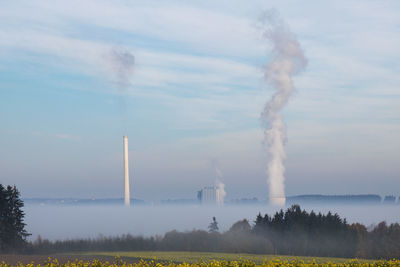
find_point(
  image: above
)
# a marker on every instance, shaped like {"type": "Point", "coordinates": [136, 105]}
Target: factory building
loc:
{"type": "Point", "coordinates": [210, 195]}
{"type": "Point", "coordinates": [389, 200]}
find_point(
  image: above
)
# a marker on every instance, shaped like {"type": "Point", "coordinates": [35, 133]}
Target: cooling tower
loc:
{"type": "Point", "coordinates": [126, 172]}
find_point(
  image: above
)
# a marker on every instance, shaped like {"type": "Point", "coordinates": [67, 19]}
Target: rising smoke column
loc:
{"type": "Point", "coordinates": [219, 185]}
{"type": "Point", "coordinates": [287, 60]}
{"type": "Point", "coordinates": [220, 191]}
{"type": "Point", "coordinates": [122, 61]}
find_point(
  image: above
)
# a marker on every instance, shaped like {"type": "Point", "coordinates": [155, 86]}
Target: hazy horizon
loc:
{"type": "Point", "coordinates": [186, 83]}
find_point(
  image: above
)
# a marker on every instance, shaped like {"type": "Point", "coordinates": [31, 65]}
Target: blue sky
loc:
{"type": "Point", "coordinates": [195, 95]}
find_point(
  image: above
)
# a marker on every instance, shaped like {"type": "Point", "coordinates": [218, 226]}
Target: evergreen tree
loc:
{"type": "Point", "coordinates": [213, 227]}
{"type": "Point", "coordinates": [12, 227]}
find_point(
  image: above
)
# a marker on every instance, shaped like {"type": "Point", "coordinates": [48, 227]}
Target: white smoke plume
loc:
{"type": "Point", "coordinates": [220, 191]}
{"type": "Point", "coordinates": [219, 185]}
{"type": "Point", "coordinates": [287, 60]}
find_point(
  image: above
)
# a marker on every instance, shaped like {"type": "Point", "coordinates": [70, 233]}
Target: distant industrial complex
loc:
{"type": "Point", "coordinates": [208, 196]}
{"type": "Point", "coordinates": [215, 196]}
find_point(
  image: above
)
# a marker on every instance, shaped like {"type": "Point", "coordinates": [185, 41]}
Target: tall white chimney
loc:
{"type": "Point", "coordinates": [126, 172]}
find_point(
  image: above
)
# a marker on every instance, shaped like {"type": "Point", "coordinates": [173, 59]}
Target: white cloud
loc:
{"type": "Point", "coordinates": [63, 136]}
{"type": "Point", "coordinates": [202, 29]}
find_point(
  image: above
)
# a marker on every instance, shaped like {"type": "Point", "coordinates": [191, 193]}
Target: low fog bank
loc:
{"type": "Point", "coordinates": [58, 222]}
{"type": "Point", "coordinates": [368, 215]}
{"type": "Point", "coordinates": [65, 222]}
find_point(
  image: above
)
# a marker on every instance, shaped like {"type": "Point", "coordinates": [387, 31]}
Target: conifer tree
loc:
{"type": "Point", "coordinates": [12, 227]}
{"type": "Point", "coordinates": [213, 227]}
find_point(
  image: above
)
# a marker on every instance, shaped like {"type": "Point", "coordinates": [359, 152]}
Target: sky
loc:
{"type": "Point", "coordinates": [194, 97]}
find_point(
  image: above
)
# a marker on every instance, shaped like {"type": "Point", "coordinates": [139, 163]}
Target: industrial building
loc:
{"type": "Point", "coordinates": [210, 195]}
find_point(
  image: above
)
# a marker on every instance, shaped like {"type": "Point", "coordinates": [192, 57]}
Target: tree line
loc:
{"type": "Point", "coordinates": [297, 232]}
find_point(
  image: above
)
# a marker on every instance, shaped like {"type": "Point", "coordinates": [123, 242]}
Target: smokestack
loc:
{"type": "Point", "coordinates": [126, 172]}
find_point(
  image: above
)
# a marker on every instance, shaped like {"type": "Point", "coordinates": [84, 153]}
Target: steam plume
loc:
{"type": "Point", "coordinates": [220, 193]}
{"type": "Point", "coordinates": [288, 59]}
{"type": "Point", "coordinates": [219, 185]}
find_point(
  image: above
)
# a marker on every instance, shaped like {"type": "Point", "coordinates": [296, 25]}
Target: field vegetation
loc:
{"type": "Point", "coordinates": [196, 257]}
{"type": "Point", "coordinates": [243, 261]}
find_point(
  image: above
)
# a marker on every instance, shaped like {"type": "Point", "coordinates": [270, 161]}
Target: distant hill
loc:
{"type": "Point", "coordinates": [81, 201]}
{"type": "Point", "coordinates": [342, 199]}
{"type": "Point", "coordinates": [299, 199]}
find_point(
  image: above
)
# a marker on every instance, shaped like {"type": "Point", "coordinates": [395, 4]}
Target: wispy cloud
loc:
{"type": "Point", "coordinates": [67, 137]}
{"type": "Point", "coordinates": [62, 136]}
{"type": "Point", "coordinates": [198, 72]}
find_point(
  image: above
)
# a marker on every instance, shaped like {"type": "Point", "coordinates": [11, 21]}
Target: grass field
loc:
{"type": "Point", "coordinates": [193, 257]}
